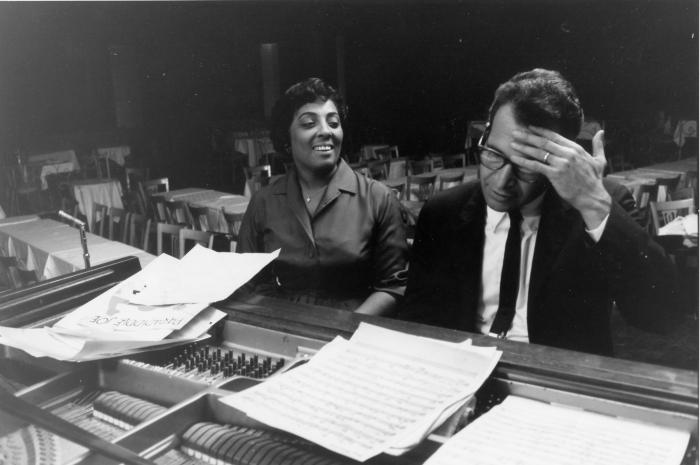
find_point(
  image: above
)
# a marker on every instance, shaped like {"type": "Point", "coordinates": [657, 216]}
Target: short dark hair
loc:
{"type": "Point", "coordinates": [543, 98]}
{"type": "Point", "coordinates": [298, 95]}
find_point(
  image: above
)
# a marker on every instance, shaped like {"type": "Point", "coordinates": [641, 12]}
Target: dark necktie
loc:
{"type": "Point", "coordinates": [509, 277]}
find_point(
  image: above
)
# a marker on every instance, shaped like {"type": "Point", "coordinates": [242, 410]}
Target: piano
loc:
{"type": "Point", "coordinates": [164, 406]}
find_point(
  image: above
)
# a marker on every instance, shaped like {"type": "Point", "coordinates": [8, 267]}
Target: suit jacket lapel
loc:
{"type": "Point", "coordinates": [559, 223]}
{"type": "Point", "coordinates": [469, 248]}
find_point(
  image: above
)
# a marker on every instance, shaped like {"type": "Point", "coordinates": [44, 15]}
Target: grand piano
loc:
{"type": "Point", "coordinates": [164, 406]}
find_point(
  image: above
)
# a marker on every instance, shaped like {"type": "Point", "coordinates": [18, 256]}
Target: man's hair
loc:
{"type": "Point", "coordinates": [543, 98]}
{"type": "Point", "coordinates": [307, 91]}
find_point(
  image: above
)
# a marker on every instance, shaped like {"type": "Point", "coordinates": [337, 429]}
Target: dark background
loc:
{"type": "Point", "coordinates": [415, 73]}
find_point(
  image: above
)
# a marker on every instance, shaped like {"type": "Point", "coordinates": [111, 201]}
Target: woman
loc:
{"type": "Point", "coordinates": [341, 236]}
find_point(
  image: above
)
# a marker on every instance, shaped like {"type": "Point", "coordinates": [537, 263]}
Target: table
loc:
{"type": "Point", "coordinates": [214, 200]}
{"type": "Point", "coordinates": [52, 248]}
{"type": "Point", "coordinates": [55, 162]}
{"type": "Point", "coordinates": [116, 154]}
{"type": "Point", "coordinates": [87, 192]}
{"type": "Point", "coordinates": [632, 179]}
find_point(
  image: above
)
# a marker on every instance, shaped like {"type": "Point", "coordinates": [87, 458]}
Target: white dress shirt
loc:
{"type": "Point", "coordinates": [496, 233]}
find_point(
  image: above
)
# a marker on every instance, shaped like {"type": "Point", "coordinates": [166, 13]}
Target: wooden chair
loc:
{"type": "Point", "coordinates": [437, 160]}
{"type": "Point", "coordinates": [683, 193]}
{"type": "Point", "coordinates": [200, 217]}
{"type": "Point", "coordinates": [424, 187]}
{"type": "Point", "coordinates": [360, 167]}
{"type": "Point", "coordinates": [663, 213]}
{"type": "Point", "coordinates": [420, 166]}
{"type": "Point", "coordinates": [133, 177]}
{"type": "Point", "coordinates": [146, 191]}
{"type": "Point", "coordinates": [387, 153]}
{"type": "Point", "coordinates": [233, 221]}
{"type": "Point", "coordinates": [665, 187]}
{"type": "Point", "coordinates": [139, 231]}
{"type": "Point", "coordinates": [102, 167]}
{"type": "Point", "coordinates": [168, 234]}
{"type": "Point", "coordinates": [179, 213]}
{"type": "Point", "coordinates": [451, 180]}
{"type": "Point", "coordinates": [378, 169]}
{"type": "Point", "coordinates": [398, 187]}
{"type": "Point", "coordinates": [186, 236]}
{"type": "Point", "coordinates": [257, 177]}
{"type": "Point", "coordinates": [398, 168]}
{"type": "Point", "coordinates": [458, 160]}
{"type": "Point", "coordinates": [158, 210]}
{"type": "Point", "coordinates": [100, 218]}
{"type": "Point", "coordinates": [117, 224]}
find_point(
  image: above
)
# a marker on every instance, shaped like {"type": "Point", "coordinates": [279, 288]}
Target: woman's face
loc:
{"type": "Point", "coordinates": [316, 136]}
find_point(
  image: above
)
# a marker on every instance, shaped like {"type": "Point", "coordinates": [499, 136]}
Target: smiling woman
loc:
{"type": "Point", "coordinates": [341, 236]}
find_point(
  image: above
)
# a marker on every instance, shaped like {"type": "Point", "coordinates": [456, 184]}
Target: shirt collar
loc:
{"type": "Point", "coordinates": [343, 181]}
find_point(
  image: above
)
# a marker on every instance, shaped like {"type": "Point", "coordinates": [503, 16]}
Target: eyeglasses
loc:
{"type": "Point", "coordinates": [495, 160]}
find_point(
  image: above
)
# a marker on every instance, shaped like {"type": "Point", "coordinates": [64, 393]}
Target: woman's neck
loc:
{"type": "Point", "coordinates": [314, 180]}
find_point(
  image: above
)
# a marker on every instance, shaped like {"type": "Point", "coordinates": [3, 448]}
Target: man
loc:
{"type": "Point", "coordinates": [553, 279]}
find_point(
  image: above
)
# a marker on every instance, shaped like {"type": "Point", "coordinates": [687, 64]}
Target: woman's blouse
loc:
{"type": "Point", "coordinates": [354, 243]}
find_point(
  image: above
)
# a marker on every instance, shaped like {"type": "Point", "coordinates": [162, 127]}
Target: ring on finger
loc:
{"type": "Point", "coordinates": [546, 156]}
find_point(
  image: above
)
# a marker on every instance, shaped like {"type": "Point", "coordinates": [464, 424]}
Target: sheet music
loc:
{"type": "Point", "coordinates": [201, 276]}
{"type": "Point", "coordinates": [527, 432]}
{"type": "Point", "coordinates": [381, 390]}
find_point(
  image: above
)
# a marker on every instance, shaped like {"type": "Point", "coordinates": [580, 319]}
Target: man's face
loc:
{"type": "Point", "coordinates": [502, 190]}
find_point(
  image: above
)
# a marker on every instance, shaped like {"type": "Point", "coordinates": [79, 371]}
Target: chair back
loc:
{"type": "Point", "coordinates": [457, 160]}
{"type": "Point", "coordinates": [420, 166]}
{"type": "Point", "coordinates": [398, 187]}
{"type": "Point", "coordinates": [189, 237]}
{"type": "Point", "coordinates": [200, 217]}
{"type": "Point", "coordinates": [117, 224]}
{"type": "Point", "coordinates": [257, 177]}
{"type": "Point", "coordinates": [663, 213]}
{"type": "Point", "coordinates": [420, 187]}
{"type": "Point", "coordinates": [138, 231]}
{"type": "Point", "coordinates": [398, 168]}
{"type": "Point", "coordinates": [155, 186]}
{"type": "Point", "coordinates": [666, 186]}
{"type": "Point", "coordinates": [378, 169]}
{"type": "Point", "coordinates": [158, 210]}
{"type": "Point", "coordinates": [645, 193]}
{"type": "Point", "coordinates": [386, 153]}
{"type": "Point", "coordinates": [360, 167]}
{"type": "Point", "coordinates": [99, 219]}
{"type": "Point", "coordinates": [448, 181]}
{"type": "Point", "coordinates": [168, 234]}
{"type": "Point", "coordinates": [179, 213]}
{"type": "Point", "coordinates": [437, 160]}
{"type": "Point", "coordinates": [102, 167]}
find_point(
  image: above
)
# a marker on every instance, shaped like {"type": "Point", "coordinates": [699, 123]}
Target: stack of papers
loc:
{"type": "Point", "coordinates": [686, 226]}
{"type": "Point", "coordinates": [381, 391]}
{"type": "Point", "coordinates": [528, 432]}
{"type": "Point", "coordinates": [166, 303]}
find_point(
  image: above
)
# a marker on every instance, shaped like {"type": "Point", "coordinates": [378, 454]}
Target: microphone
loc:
{"type": "Point", "coordinates": [72, 219]}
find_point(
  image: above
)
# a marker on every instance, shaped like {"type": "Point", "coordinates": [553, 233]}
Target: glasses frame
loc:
{"type": "Point", "coordinates": [481, 146]}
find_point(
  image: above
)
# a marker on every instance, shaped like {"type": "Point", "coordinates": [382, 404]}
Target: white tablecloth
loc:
{"type": "Point", "coordinates": [90, 191]}
{"type": "Point", "coordinates": [214, 200]}
{"type": "Point", "coordinates": [64, 161]}
{"type": "Point", "coordinates": [116, 154]}
{"type": "Point", "coordinates": [52, 248]}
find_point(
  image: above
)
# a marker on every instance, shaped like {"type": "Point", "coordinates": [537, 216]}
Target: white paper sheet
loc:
{"type": "Point", "coordinates": [201, 276]}
{"type": "Point", "coordinates": [381, 390]}
{"type": "Point", "coordinates": [527, 432]}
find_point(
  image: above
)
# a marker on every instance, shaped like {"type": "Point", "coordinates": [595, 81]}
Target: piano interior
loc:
{"type": "Point", "coordinates": [165, 406]}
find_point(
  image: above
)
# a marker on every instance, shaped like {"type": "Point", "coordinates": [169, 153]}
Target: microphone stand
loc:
{"type": "Point", "coordinates": [83, 238]}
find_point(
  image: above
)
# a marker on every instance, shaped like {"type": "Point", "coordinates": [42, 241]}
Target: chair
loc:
{"type": "Point", "coordinates": [200, 217]}
{"type": "Point", "coordinates": [378, 169]}
{"type": "Point", "coordinates": [663, 213]}
{"type": "Point", "coordinates": [99, 219]}
{"type": "Point", "coordinates": [257, 177]}
{"type": "Point", "coordinates": [139, 231]}
{"type": "Point", "coordinates": [450, 180]}
{"type": "Point", "coordinates": [458, 160]}
{"type": "Point", "coordinates": [146, 191]}
{"type": "Point", "coordinates": [172, 231]}
{"type": "Point", "coordinates": [179, 213]}
{"type": "Point", "coordinates": [101, 165]}
{"type": "Point", "coordinates": [14, 276]}
{"type": "Point", "coordinates": [683, 193]}
{"type": "Point", "coordinates": [158, 210]}
{"type": "Point", "coordinates": [665, 187]}
{"type": "Point", "coordinates": [420, 166]}
{"type": "Point", "coordinates": [397, 168]}
{"type": "Point", "coordinates": [186, 235]}
{"type": "Point", "coordinates": [424, 187]}
{"type": "Point", "coordinates": [233, 221]}
{"type": "Point", "coordinates": [117, 224]}
{"type": "Point", "coordinates": [360, 167]}
{"type": "Point", "coordinates": [385, 153]}
{"type": "Point", "coordinates": [437, 160]}
{"type": "Point", "coordinates": [398, 187]}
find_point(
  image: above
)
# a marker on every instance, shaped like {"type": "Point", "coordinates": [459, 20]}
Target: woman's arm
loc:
{"type": "Point", "coordinates": [378, 303]}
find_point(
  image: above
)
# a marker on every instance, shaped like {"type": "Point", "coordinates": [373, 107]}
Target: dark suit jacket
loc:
{"type": "Point", "coordinates": [573, 280]}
